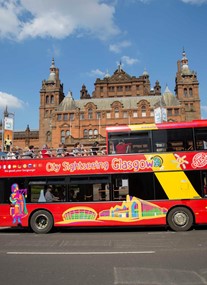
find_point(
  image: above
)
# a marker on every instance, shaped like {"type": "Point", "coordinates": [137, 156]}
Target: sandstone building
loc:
{"type": "Point", "coordinates": [117, 99]}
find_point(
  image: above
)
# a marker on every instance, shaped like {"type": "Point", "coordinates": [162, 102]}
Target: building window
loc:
{"type": "Point", "coordinates": [85, 133]}
{"type": "Point", "coordinates": [59, 117]}
{"type": "Point", "coordinates": [81, 116]}
{"type": "Point", "coordinates": [65, 117]}
{"type": "Point", "coordinates": [90, 114]}
{"type": "Point", "coordinates": [191, 92]}
{"type": "Point", "coordinates": [169, 112]}
{"type": "Point", "coordinates": [101, 89]}
{"type": "Point", "coordinates": [98, 115]}
{"type": "Point", "coordinates": [62, 135]}
{"type": "Point", "coordinates": [47, 100]}
{"type": "Point", "coordinates": [71, 116]}
{"type": "Point", "coordinates": [108, 115]}
{"type": "Point", "coordinates": [111, 88]}
{"type": "Point", "coordinates": [95, 132]}
{"type": "Point", "coordinates": [90, 133]}
{"type": "Point", "coordinates": [125, 114]}
{"type": "Point", "coordinates": [48, 136]}
{"type": "Point", "coordinates": [119, 88]}
{"type": "Point", "coordinates": [127, 88]}
{"type": "Point", "coordinates": [67, 133]}
{"type": "Point", "coordinates": [185, 92]}
{"type": "Point", "coordinates": [52, 99]}
{"type": "Point", "coordinates": [135, 115]}
{"type": "Point", "coordinates": [176, 112]}
{"type": "Point", "coordinates": [137, 87]}
{"type": "Point", "coordinates": [46, 113]}
{"type": "Point", "coordinates": [144, 113]}
{"type": "Point", "coordinates": [116, 113]}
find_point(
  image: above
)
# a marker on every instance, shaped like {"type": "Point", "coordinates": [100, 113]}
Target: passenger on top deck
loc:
{"type": "Point", "coordinates": [123, 147]}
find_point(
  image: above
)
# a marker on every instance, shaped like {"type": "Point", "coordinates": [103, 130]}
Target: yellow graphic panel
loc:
{"type": "Point", "coordinates": [176, 185]}
{"type": "Point", "coordinates": [143, 127]}
{"type": "Point", "coordinates": [167, 161]}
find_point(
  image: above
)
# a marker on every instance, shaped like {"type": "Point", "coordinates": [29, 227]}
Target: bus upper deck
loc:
{"type": "Point", "coordinates": [165, 137]}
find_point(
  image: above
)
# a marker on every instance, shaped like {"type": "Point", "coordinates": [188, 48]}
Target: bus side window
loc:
{"type": "Point", "coordinates": [41, 197]}
{"type": "Point", "coordinates": [188, 145]}
{"type": "Point", "coordinates": [170, 147]}
{"type": "Point", "coordinates": [103, 192]}
{"type": "Point", "coordinates": [111, 147]}
{"type": "Point", "coordinates": [201, 138]}
{"type": "Point", "coordinates": [204, 183]}
{"type": "Point", "coordinates": [205, 190]}
{"type": "Point", "coordinates": [120, 188]}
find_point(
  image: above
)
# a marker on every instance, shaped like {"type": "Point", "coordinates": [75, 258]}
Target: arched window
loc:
{"type": "Point", "coordinates": [95, 132]}
{"type": "Point", "coordinates": [116, 113]}
{"type": "Point", "coordinates": [52, 99]}
{"type": "Point", "coordinates": [190, 92]}
{"type": "Point", "coordinates": [90, 133]}
{"type": "Point", "coordinates": [85, 133]}
{"type": "Point", "coordinates": [90, 114]}
{"type": "Point", "coordinates": [144, 112]}
{"type": "Point", "coordinates": [62, 137]}
{"type": "Point", "coordinates": [48, 136]}
{"type": "Point", "coordinates": [67, 133]}
{"type": "Point", "coordinates": [46, 113]}
{"type": "Point", "coordinates": [47, 99]}
{"type": "Point", "coordinates": [185, 92]}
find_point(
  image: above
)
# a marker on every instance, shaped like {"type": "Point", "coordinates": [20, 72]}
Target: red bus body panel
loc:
{"type": "Point", "coordinates": [199, 207]}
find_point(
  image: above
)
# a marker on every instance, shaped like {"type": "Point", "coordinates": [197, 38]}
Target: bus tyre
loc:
{"type": "Point", "coordinates": [41, 222]}
{"type": "Point", "coordinates": [180, 219]}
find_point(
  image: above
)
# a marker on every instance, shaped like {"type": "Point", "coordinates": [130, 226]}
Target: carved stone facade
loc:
{"type": "Point", "coordinates": [119, 99]}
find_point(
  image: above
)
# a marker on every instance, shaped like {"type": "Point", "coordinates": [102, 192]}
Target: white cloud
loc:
{"type": "Point", "coordinates": [129, 61]}
{"type": "Point", "coordinates": [118, 47]}
{"type": "Point", "coordinates": [10, 100]}
{"type": "Point", "coordinates": [8, 19]}
{"type": "Point", "coordinates": [97, 72]}
{"type": "Point", "coordinates": [57, 19]}
{"type": "Point", "coordinates": [198, 2]}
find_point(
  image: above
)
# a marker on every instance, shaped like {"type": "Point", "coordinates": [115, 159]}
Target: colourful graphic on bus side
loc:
{"type": "Point", "coordinates": [18, 208]}
{"type": "Point", "coordinates": [79, 214]}
{"type": "Point", "coordinates": [131, 210]}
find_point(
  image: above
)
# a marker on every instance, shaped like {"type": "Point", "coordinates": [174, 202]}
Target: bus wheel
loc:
{"type": "Point", "coordinates": [41, 222]}
{"type": "Point", "coordinates": [180, 219]}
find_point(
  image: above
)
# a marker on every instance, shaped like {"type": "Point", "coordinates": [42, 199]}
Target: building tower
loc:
{"type": "Point", "coordinates": [187, 90]}
{"type": "Point", "coordinates": [51, 95]}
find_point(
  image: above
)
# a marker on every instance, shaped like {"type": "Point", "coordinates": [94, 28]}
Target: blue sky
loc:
{"type": "Point", "coordinates": [87, 38]}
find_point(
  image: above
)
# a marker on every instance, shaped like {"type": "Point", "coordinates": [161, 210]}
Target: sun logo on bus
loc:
{"type": "Point", "coordinates": [181, 161]}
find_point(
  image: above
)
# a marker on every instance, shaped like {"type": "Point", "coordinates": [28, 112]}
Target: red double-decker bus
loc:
{"type": "Point", "coordinates": [152, 174]}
